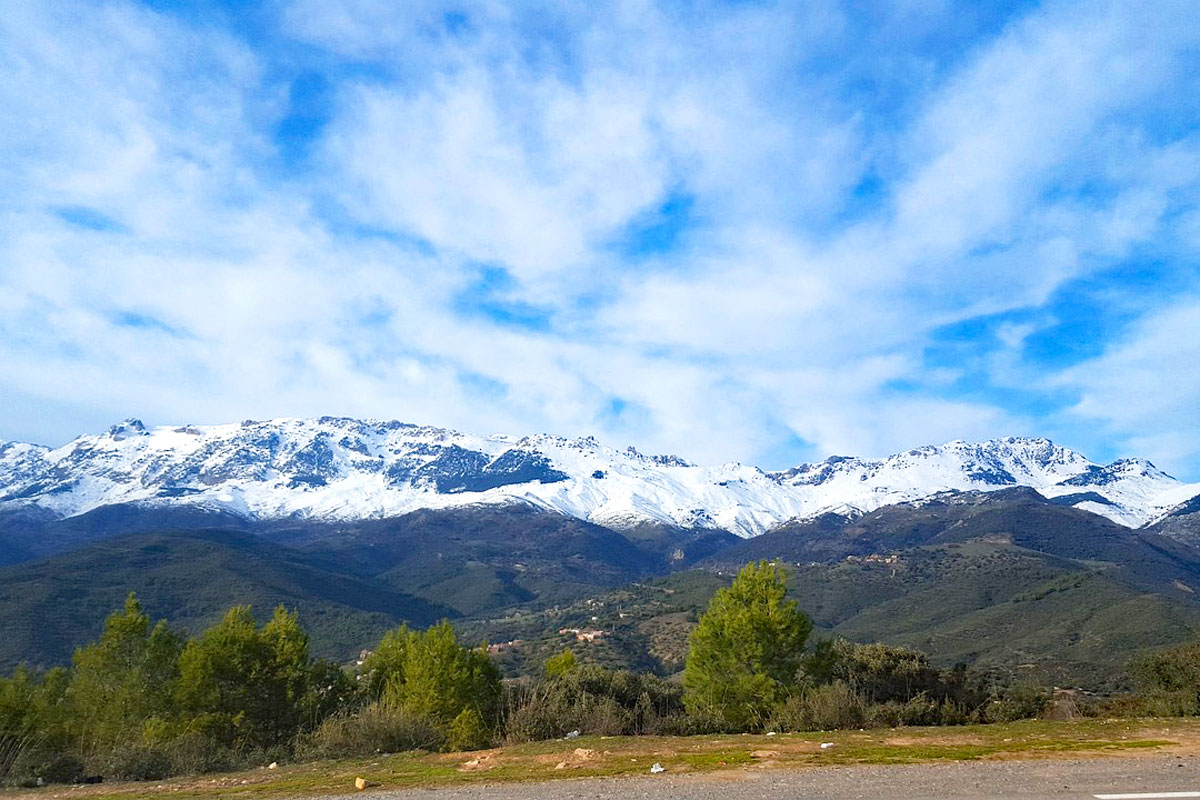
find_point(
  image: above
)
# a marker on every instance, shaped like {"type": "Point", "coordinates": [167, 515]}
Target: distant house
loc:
{"type": "Point", "coordinates": [874, 558]}
{"type": "Point", "coordinates": [582, 635]}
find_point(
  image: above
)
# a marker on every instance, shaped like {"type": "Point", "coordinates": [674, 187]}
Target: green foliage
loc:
{"type": "Point", "coordinates": [561, 664]}
{"type": "Point", "coordinates": [1022, 701]}
{"type": "Point", "coordinates": [830, 706]}
{"type": "Point", "coordinates": [377, 728]}
{"type": "Point", "coordinates": [31, 723]}
{"type": "Point", "coordinates": [596, 701]}
{"type": "Point", "coordinates": [441, 678]}
{"type": "Point", "coordinates": [1168, 681]}
{"type": "Point", "coordinates": [747, 650]}
{"type": "Point", "coordinates": [468, 731]}
{"type": "Point", "coordinates": [1174, 670]}
{"type": "Point", "coordinates": [139, 703]}
{"type": "Point", "coordinates": [122, 680]}
{"type": "Point", "coordinates": [385, 665]}
{"type": "Point", "coordinates": [246, 686]}
{"type": "Point", "coordinates": [878, 672]}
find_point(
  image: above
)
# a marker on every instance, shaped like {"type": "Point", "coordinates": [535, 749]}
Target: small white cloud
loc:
{"type": "Point", "coordinates": [1145, 389]}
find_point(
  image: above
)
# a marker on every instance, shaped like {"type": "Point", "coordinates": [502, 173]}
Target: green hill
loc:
{"type": "Point", "coordinates": [1005, 579]}
{"type": "Point", "coordinates": [49, 607]}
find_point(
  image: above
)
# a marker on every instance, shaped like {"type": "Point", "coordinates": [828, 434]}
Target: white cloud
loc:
{"type": "Point", "coordinates": [1145, 389]}
{"type": "Point", "coordinates": [532, 139]}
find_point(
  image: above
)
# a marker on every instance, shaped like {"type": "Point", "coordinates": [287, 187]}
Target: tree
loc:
{"type": "Point", "coordinates": [243, 685]}
{"type": "Point", "coordinates": [31, 715]}
{"type": "Point", "coordinates": [442, 678]}
{"type": "Point", "coordinates": [747, 650]}
{"type": "Point", "coordinates": [561, 664]}
{"type": "Point", "coordinates": [385, 665]}
{"type": "Point", "coordinates": [124, 679]}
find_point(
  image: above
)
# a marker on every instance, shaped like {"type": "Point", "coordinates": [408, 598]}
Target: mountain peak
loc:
{"type": "Point", "coordinates": [345, 468]}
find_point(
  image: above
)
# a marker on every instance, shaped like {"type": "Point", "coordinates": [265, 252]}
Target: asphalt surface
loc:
{"type": "Point", "coordinates": [970, 780]}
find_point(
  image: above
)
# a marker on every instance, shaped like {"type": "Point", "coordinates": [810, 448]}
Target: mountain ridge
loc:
{"type": "Point", "coordinates": [336, 468]}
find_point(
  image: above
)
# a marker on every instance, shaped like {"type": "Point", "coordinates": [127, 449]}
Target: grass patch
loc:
{"type": "Point", "coordinates": [597, 756]}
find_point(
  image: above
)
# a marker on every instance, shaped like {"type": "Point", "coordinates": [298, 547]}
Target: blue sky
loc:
{"type": "Point", "coordinates": [754, 231]}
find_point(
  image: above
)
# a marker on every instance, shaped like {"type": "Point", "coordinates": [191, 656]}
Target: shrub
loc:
{"type": "Point", "coordinates": [34, 765]}
{"type": "Point", "coordinates": [375, 729]}
{"type": "Point", "coordinates": [593, 700]}
{"type": "Point", "coordinates": [134, 763]}
{"type": "Point", "coordinates": [822, 708]}
{"type": "Point", "coordinates": [879, 673]}
{"type": "Point", "coordinates": [561, 664]}
{"type": "Point", "coordinates": [468, 731]}
{"type": "Point", "coordinates": [1175, 669]}
{"type": "Point", "coordinates": [1179, 703]}
{"type": "Point", "coordinates": [1022, 701]}
{"type": "Point", "coordinates": [540, 714]}
{"type": "Point", "coordinates": [1168, 681]}
{"type": "Point", "coordinates": [193, 754]}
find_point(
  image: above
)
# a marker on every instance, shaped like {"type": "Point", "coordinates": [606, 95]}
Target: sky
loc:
{"type": "Point", "coordinates": [752, 231]}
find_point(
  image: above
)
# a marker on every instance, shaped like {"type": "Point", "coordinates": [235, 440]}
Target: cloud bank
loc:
{"type": "Point", "coordinates": [747, 232]}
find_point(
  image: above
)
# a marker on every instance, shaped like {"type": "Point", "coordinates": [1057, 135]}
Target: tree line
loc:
{"type": "Point", "coordinates": [144, 701]}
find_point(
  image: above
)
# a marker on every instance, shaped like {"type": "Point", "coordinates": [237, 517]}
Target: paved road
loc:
{"type": "Point", "coordinates": [1023, 780]}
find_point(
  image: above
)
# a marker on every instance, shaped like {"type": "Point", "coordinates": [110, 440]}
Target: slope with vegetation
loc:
{"type": "Point", "coordinates": [144, 701]}
{"type": "Point", "coordinates": [1003, 579]}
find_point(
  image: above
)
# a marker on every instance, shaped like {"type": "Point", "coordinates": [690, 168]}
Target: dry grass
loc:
{"type": "Point", "coordinates": [629, 755]}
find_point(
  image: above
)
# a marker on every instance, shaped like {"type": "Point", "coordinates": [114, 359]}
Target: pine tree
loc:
{"type": "Point", "coordinates": [124, 679]}
{"type": "Point", "coordinates": [747, 650]}
{"type": "Point", "coordinates": [385, 666]}
{"type": "Point", "coordinates": [244, 685]}
{"type": "Point", "coordinates": [442, 678]}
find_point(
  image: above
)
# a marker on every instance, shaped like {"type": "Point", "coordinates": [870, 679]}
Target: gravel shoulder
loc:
{"type": "Point", "coordinates": [971, 780]}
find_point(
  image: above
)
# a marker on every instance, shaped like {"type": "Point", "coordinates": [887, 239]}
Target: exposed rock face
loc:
{"type": "Point", "coordinates": [347, 469]}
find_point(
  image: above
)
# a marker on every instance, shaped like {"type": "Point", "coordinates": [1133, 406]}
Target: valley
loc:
{"type": "Point", "coordinates": [1005, 579]}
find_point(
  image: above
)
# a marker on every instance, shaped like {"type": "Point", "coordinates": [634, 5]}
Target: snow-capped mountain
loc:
{"type": "Point", "coordinates": [344, 469]}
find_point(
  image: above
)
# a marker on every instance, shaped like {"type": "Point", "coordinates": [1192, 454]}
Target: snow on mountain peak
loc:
{"type": "Point", "coordinates": [341, 468]}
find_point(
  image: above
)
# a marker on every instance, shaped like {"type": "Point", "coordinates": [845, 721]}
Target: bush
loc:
{"type": "Point", "coordinates": [193, 754]}
{"type": "Point", "coordinates": [594, 700]}
{"type": "Point", "coordinates": [375, 729]}
{"type": "Point", "coordinates": [822, 708]}
{"type": "Point", "coordinates": [34, 765]}
{"type": "Point", "coordinates": [561, 664]}
{"type": "Point", "coordinates": [1022, 701]}
{"type": "Point", "coordinates": [1179, 703]}
{"type": "Point", "coordinates": [468, 731]}
{"type": "Point", "coordinates": [134, 763]}
{"type": "Point", "coordinates": [1175, 669]}
{"type": "Point", "coordinates": [538, 714]}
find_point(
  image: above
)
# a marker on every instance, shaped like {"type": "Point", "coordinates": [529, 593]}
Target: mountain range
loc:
{"type": "Point", "coordinates": [346, 469]}
{"type": "Point", "coordinates": [1011, 552]}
